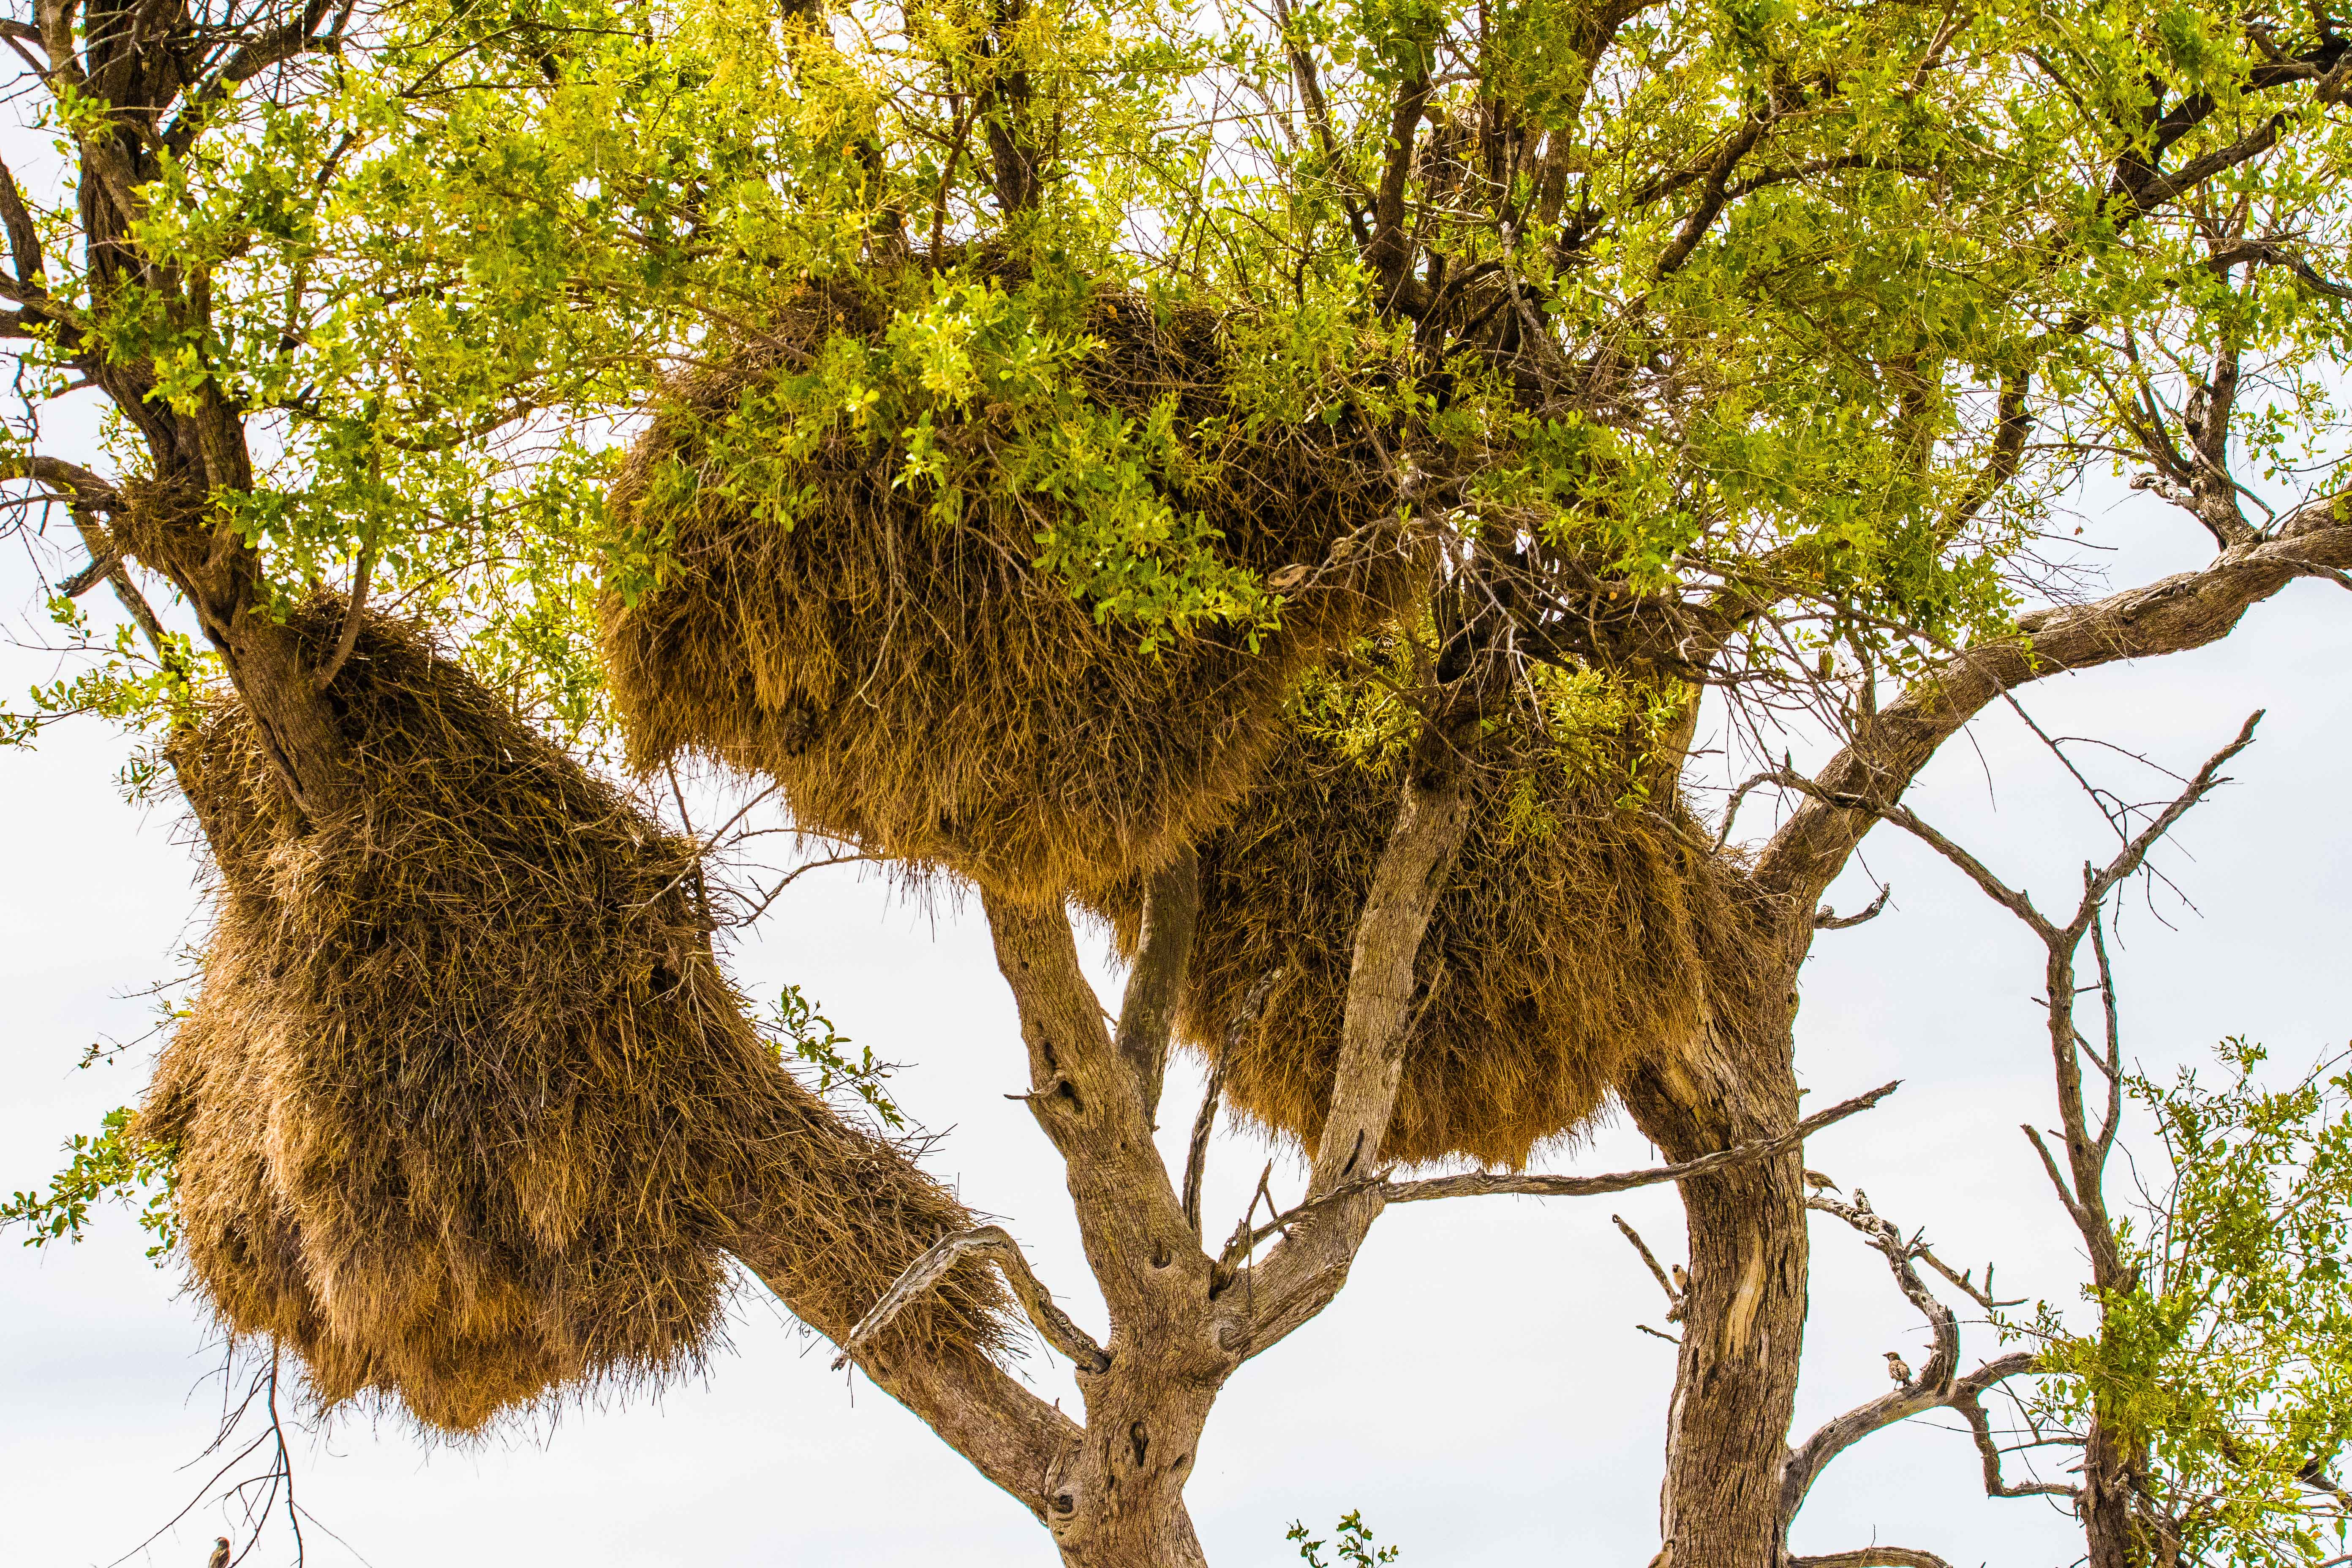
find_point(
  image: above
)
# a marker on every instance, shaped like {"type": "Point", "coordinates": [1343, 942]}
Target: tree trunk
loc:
{"type": "Point", "coordinates": [1118, 1501]}
{"type": "Point", "coordinates": [2106, 1503]}
{"type": "Point", "coordinates": [1744, 1319]}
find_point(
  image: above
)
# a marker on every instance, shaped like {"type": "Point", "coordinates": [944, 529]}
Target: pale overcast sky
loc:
{"type": "Point", "coordinates": [1480, 1390]}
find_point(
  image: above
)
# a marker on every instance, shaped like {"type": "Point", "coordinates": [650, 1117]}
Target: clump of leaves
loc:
{"type": "Point", "coordinates": [111, 1164]}
{"type": "Point", "coordinates": [1353, 1542]}
{"type": "Point", "coordinates": [2229, 1361]}
{"type": "Point", "coordinates": [803, 1033]}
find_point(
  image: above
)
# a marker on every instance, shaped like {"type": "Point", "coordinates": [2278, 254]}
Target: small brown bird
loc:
{"type": "Point", "coordinates": [1820, 1183]}
{"type": "Point", "coordinates": [1682, 1280]}
{"type": "Point", "coordinates": [1897, 1368]}
{"type": "Point", "coordinates": [220, 1552]}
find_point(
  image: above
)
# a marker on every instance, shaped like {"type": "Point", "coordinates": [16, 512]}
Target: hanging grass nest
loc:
{"type": "Point", "coordinates": [466, 1112]}
{"type": "Point", "coordinates": [1576, 932]}
{"type": "Point", "coordinates": [888, 647]}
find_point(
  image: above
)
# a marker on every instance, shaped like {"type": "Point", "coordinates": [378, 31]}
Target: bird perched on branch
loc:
{"type": "Point", "coordinates": [220, 1552]}
{"type": "Point", "coordinates": [1682, 1280]}
{"type": "Point", "coordinates": [1820, 1183]}
{"type": "Point", "coordinates": [1897, 1368]}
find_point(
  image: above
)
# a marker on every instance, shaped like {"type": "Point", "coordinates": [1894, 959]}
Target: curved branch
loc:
{"type": "Point", "coordinates": [1932, 1386]}
{"type": "Point", "coordinates": [993, 1244]}
{"type": "Point", "coordinates": [1967, 1398]}
{"type": "Point", "coordinates": [352, 619]}
{"type": "Point", "coordinates": [2185, 611]}
{"type": "Point", "coordinates": [1828, 918]}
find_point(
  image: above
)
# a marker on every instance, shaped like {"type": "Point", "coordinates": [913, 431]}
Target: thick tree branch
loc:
{"type": "Point", "coordinates": [1307, 1269]}
{"type": "Point", "coordinates": [1172, 906]}
{"type": "Point", "coordinates": [23, 238]}
{"type": "Point", "coordinates": [2178, 613]}
{"type": "Point", "coordinates": [1716, 194]}
{"type": "Point", "coordinates": [1090, 1104]}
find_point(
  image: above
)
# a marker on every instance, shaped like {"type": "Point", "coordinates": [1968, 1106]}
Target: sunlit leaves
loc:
{"type": "Point", "coordinates": [2231, 1355]}
{"type": "Point", "coordinates": [112, 1164]}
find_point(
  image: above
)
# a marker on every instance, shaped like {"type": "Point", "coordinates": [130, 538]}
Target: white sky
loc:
{"type": "Point", "coordinates": [1480, 1391]}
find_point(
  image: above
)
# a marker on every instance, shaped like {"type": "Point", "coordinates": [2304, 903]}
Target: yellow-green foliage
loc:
{"type": "Point", "coordinates": [863, 586]}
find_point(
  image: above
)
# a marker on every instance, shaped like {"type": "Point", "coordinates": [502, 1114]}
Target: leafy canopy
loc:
{"type": "Point", "coordinates": [1741, 307]}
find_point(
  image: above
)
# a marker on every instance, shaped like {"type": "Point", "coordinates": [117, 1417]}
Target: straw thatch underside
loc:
{"type": "Point", "coordinates": [1574, 934]}
{"type": "Point", "coordinates": [466, 1109]}
{"type": "Point", "coordinates": [922, 688]}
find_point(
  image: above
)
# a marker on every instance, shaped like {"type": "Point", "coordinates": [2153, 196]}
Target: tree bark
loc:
{"type": "Point", "coordinates": [1115, 1497]}
{"type": "Point", "coordinates": [1744, 1317]}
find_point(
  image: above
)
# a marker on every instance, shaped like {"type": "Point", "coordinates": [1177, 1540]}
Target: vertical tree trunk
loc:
{"type": "Point", "coordinates": [2109, 1530]}
{"type": "Point", "coordinates": [1744, 1319]}
{"type": "Point", "coordinates": [1118, 1501]}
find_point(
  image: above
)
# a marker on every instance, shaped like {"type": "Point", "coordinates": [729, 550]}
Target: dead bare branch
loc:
{"type": "Point", "coordinates": [1828, 918]}
{"type": "Point", "coordinates": [990, 1244]}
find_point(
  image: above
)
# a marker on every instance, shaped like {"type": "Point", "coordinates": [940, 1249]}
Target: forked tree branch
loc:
{"type": "Point", "coordinates": [1967, 1398]}
{"type": "Point", "coordinates": [1934, 1387]}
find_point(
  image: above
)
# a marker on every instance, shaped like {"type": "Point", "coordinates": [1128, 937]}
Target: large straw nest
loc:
{"type": "Point", "coordinates": [1577, 930]}
{"type": "Point", "coordinates": [922, 687]}
{"type": "Point", "coordinates": [466, 1112]}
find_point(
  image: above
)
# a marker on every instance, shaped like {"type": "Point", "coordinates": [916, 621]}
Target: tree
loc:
{"type": "Point", "coordinates": [1665, 354]}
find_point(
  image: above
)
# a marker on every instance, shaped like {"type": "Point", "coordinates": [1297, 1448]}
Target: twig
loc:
{"type": "Point", "coordinates": [990, 1244]}
{"type": "Point", "coordinates": [1982, 1297]}
{"type": "Point", "coordinates": [1674, 1298]}
{"type": "Point", "coordinates": [1481, 1185]}
{"type": "Point", "coordinates": [794, 875]}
